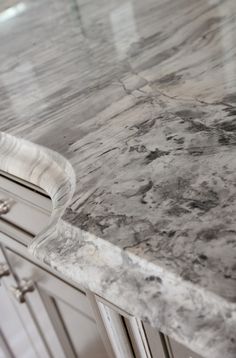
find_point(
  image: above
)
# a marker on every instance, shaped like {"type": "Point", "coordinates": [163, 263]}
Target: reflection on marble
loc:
{"type": "Point", "coordinates": [12, 11]}
{"type": "Point", "coordinates": [148, 124]}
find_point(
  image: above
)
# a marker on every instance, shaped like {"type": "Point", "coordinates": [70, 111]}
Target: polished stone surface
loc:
{"type": "Point", "coordinates": [140, 97]}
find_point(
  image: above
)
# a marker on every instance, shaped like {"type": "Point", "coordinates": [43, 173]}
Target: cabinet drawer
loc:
{"type": "Point", "coordinates": [28, 208]}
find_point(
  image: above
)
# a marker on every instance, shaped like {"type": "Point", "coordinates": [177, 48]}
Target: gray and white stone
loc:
{"type": "Point", "coordinates": [140, 98]}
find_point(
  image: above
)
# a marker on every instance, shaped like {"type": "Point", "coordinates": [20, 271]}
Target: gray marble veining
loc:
{"type": "Point", "coordinates": [140, 97]}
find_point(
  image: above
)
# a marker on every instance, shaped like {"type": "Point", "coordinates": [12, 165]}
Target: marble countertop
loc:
{"type": "Point", "coordinates": [140, 98]}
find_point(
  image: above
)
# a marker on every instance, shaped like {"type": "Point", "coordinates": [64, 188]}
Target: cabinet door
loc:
{"type": "Point", "coordinates": [116, 331]}
{"type": "Point", "coordinates": [164, 347]}
{"type": "Point", "coordinates": [129, 336]}
{"type": "Point", "coordinates": [5, 349]}
{"type": "Point", "coordinates": [19, 336]}
{"type": "Point", "coordinates": [177, 350]}
{"type": "Point", "coordinates": [156, 342]}
{"type": "Point", "coordinates": [62, 312]}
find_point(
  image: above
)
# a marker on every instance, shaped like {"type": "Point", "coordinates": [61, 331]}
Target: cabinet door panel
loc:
{"type": "Point", "coordinates": [137, 337]}
{"type": "Point", "coordinates": [45, 326]}
{"type": "Point", "coordinates": [128, 335]}
{"type": "Point", "coordinates": [17, 325]}
{"type": "Point", "coordinates": [14, 334]}
{"type": "Point", "coordinates": [179, 351]}
{"type": "Point", "coordinates": [63, 308]}
{"type": "Point", "coordinates": [5, 349]}
{"type": "Point", "coordinates": [82, 331]}
{"type": "Point", "coordinates": [116, 331]}
{"type": "Point", "coordinates": [156, 342]}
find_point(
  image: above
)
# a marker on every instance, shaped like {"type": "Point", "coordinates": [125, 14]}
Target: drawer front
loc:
{"type": "Point", "coordinates": [23, 209]}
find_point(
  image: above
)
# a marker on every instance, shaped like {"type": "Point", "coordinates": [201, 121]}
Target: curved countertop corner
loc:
{"type": "Point", "coordinates": [145, 114]}
{"type": "Point", "coordinates": [43, 168]}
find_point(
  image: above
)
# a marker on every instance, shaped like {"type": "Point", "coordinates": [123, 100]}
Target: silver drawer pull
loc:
{"type": "Point", "coordinates": [4, 206]}
{"type": "Point", "coordinates": [20, 291]}
{"type": "Point", "coordinates": [4, 270]}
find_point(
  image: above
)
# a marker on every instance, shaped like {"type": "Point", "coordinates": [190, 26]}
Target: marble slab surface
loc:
{"type": "Point", "coordinates": [140, 97]}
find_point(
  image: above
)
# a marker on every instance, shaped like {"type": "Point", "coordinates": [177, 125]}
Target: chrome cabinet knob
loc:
{"type": "Point", "coordinates": [20, 291]}
{"type": "Point", "coordinates": [4, 270]}
{"type": "Point", "coordinates": [4, 206]}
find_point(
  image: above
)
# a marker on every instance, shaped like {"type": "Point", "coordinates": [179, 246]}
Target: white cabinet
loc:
{"type": "Point", "coordinates": [62, 314]}
{"type": "Point", "coordinates": [164, 347]}
{"type": "Point", "coordinates": [177, 350]}
{"type": "Point", "coordinates": [125, 332]}
{"type": "Point", "coordinates": [19, 334]}
{"type": "Point", "coordinates": [156, 342]}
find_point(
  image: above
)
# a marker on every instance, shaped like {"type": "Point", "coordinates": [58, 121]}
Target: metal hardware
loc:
{"type": "Point", "coordinates": [4, 206]}
{"type": "Point", "coordinates": [4, 270]}
{"type": "Point", "coordinates": [20, 291]}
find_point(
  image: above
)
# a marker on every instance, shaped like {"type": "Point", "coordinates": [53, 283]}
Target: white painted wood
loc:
{"type": "Point", "coordinates": [178, 350]}
{"type": "Point", "coordinates": [116, 331]}
{"type": "Point", "coordinates": [44, 322]}
{"type": "Point", "coordinates": [12, 327]}
{"type": "Point", "coordinates": [17, 323]}
{"type": "Point", "coordinates": [82, 331]}
{"type": "Point", "coordinates": [58, 328]}
{"type": "Point", "coordinates": [156, 342]}
{"type": "Point", "coordinates": [5, 350]}
{"type": "Point", "coordinates": [137, 337]}
{"type": "Point", "coordinates": [30, 209]}
{"type": "Point", "coordinates": [101, 326]}
{"type": "Point", "coordinates": [67, 308]}
{"type": "Point", "coordinates": [146, 342]}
